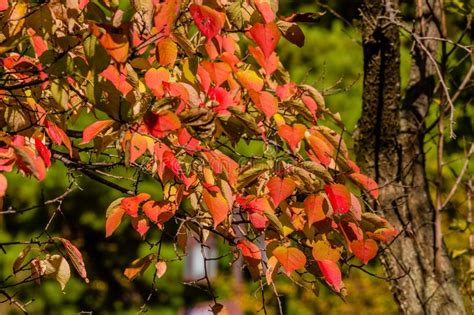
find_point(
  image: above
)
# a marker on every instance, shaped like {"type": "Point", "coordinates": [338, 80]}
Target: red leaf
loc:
{"type": "Point", "coordinates": [270, 64]}
{"type": "Point", "coordinates": [91, 131]}
{"type": "Point", "coordinates": [265, 9]}
{"type": "Point", "coordinates": [266, 36]}
{"type": "Point", "coordinates": [250, 252]}
{"type": "Point", "coordinates": [265, 102]}
{"type": "Point", "coordinates": [291, 258]}
{"type": "Point", "coordinates": [385, 235]}
{"type": "Point", "coordinates": [159, 212]}
{"type": "Point", "coordinates": [313, 206]}
{"type": "Point", "coordinates": [160, 124]}
{"type": "Point", "coordinates": [43, 151]}
{"type": "Point", "coordinates": [3, 185]}
{"type": "Point", "coordinates": [114, 40]}
{"type": "Point", "coordinates": [140, 225]}
{"type": "Point", "coordinates": [292, 134]}
{"type": "Point", "coordinates": [28, 162]}
{"type": "Point", "coordinates": [286, 91]}
{"type": "Point", "coordinates": [331, 272]}
{"type": "Point", "coordinates": [76, 259]}
{"type": "Point", "coordinates": [166, 14]}
{"type": "Point", "coordinates": [364, 250]}
{"type": "Point", "coordinates": [367, 183]}
{"type": "Point", "coordinates": [217, 205]}
{"type": "Point", "coordinates": [280, 189]}
{"type": "Point", "coordinates": [209, 21]}
{"type": "Point", "coordinates": [130, 204]}
{"type": "Point", "coordinates": [3, 5]}
{"type": "Point", "coordinates": [38, 43]}
{"type": "Point", "coordinates": [339, 197]}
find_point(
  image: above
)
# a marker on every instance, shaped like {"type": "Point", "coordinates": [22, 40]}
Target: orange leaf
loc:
{"type": "Point", "coordinates": [118, 79]}
{"type": "Point", "coordinates": [160, 124]}
{"type": "Point", "coordinates": [166, 14]}
{"type": "Point", "coordinates": [364, 250]}
{"type": "Point", "coordinates": [280, 189]}
{"type": "Point", "coordinates": [3, 185]}
{"type": "Point", "coordinates": [138, 146]}
{"type": "Point", "coordinates": [265, 102]}
{"type": "Point", "coordinates": [217, 205]}
{"type": "Point", "coordinates": [138, 266]}
{"type": "Point", "coordinates": [154, 79]}
{"type": "Point", "coordinates": [209, 21]}
{"type": "Point", "coordinates": [291, 258]}
{"type": "Point", "coordinates": [366, 183]}
{"type": "Point", "coordinates": [250, 80]}
{"type": "Point", "coordinates": [323, 250]}
{"type": "Point", "coordinates": [219, 72]}
{"type": "Point", "coordinates": [114, 218]}
{"type": "Point", "coordinates": [339, 197]}
{"type": "Point", "coordinates": [140, 225]}
{"type": "Point", "coordinates": [313, 206]}
{"type": "Point", "coordinates": [115, 41]}
{"type": "Point", "coordinates": [292, 134]}
{"type": "Point", "coordinates": [320, 148]}
{"type": "Point", "coordinates": [167, 52]}
{"type": "Point", "coordinates": [331, 272]}
{"type": "Point", "coordinates": [266, 36]}
{"type": "Point", "coordinates": [91, 131]}
{"type": "Point", "coordinates": [385, 235]}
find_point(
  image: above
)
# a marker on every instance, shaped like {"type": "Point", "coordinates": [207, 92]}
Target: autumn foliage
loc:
{"type": "Point", "coordinates": [177, 85]}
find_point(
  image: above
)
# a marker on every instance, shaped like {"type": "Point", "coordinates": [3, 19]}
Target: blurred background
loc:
{"type": "Point", "coordinates": [332, 61]}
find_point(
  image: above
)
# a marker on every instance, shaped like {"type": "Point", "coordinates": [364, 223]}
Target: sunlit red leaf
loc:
{"type": "Point", "coordinates": [313, 206]}
{"type": "Point", "coordinates": [286, 91]}
{"type": "Point", "coordinates": [364, 250]}
{"type": "Point", "coordinates": [269, 64]}
{"type": "Point", "coordinates": [91, 131]}
{"type": "Point", "coordinates": [38, 43]}
{"type": "Point", "coordinates": [217, 205]}
{"type": "Point", "coordinates": [266, 36]}
{"type": "Point", "coordinates": [250, 252]}
{"type": "Point", "coordinates": [291, 258]}
{"type": "Point", "coordinates": [130, 204]}
{"type": "Point", "coordinates": [140, 225]}
{"type": "Point", "coordinates": [3, 5]}
{"type": "Point", "coordinates": [280, 188]}
{"type": "Point", "coordinates": [160, 124]}
{"type": "Point", "coordinates": [339, 197]}
{"type": "Point", "coordinates": [292, 134]}
{"type": "Point", "coordinates": [331, 273]}
{"type": "Point", "coordinates": [209, 21]}
{"type": "Point", "coordinates": [265, 102]}
{"type": "Point", "coordinates": [320, 148]}
{"type": "Point", "coordinates": [159, 212]}
{"type": "Point", "coordinates": [43, 152]}
{"type": "Point", "coordinates": [28, 162]}
{"type": "Point", "coordinates": [265, 8]}
{"type": "Point", "coordinates": [366, 183]}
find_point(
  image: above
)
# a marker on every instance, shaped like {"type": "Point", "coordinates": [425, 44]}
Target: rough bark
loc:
{"type": "Point", "coordinates": [389, 143]}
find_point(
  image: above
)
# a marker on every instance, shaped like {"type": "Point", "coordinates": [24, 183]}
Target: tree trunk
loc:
{"type": "Point", "coordinates": [389, 144]}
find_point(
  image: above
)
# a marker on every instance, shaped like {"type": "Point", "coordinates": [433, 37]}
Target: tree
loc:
{"type": "Point", "coordinates": [393, 147]}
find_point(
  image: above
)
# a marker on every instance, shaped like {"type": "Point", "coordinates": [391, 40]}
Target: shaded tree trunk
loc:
{"type": "Point", "coordinates": [389, 143]}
